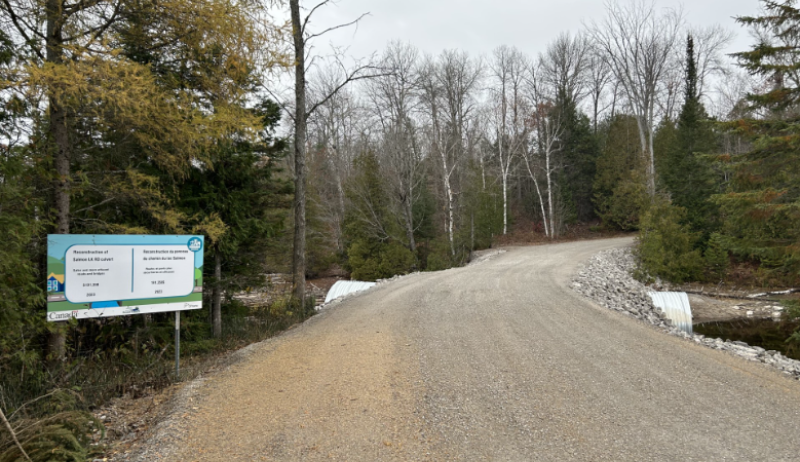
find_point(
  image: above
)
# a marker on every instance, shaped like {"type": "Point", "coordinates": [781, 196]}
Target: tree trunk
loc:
{"type": "Point", "coordinates": [299, 255]}
{"type": "Point", "coordinates": [541, 204]}
{"type": "Point", "coordinates": [450, 220]}
{"type": "Point", "coordinates": [409, 211]}
{"type": "Point", "coordinates": [216, 302]}
{"type": "Point", "coordinates": [59, 135]}
{"type": "Point", "coordinates": [503, 166]}
{"type": "Point", "coordinates": [538, 193]}
{"type": "Point", "coordinates": [651, 174]}
{"type": "Point", "coordinates": [550, 194]}
{"type": "Point", "coordinates": [647, 152]}
{"type": "Point", "coordinates": [652, 171]}
{"type": "Point", "coordinates": [340, 215]}
{"type": "Point", "coordinates": [505, 202]}
{"type": "Point", "coordinates": [471, 235]}
{"type": "Point", "coordinates": [448, 189]}
{"type": "Point", "coordinates": [483, 173]}
{"type": "Point", "coordinates": [450, 213]}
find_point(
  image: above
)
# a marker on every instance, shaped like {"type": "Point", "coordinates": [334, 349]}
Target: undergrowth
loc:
{"type": "Point", "coordinates": [48, 408]}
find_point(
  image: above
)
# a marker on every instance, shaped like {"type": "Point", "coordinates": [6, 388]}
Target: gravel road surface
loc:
{"type": "Point", "coordinates": [496, 361]}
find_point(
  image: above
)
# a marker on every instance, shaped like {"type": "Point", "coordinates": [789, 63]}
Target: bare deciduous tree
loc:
{"type": "Point", "coordinates": [335, 131]}
{"type": "Point", "coordinates": [547, 129]}
{"type": "Point", "coordinates": [508, 68]}
{"type": "Point", "coordinates": [394, 98]}
{"type": "Point", "coordinates": [709, 44]}
{"type": "Point", "coordinates": [730, 92]}
{"type": "Point", "coordinates": [565, 64]}
{"type": "Point", "coordinates": [638, 44]}
{"type": "Point", "coordinates": [300, 115]}
{"type": "Point", "coordinates": [598, 79]}
{"type": "Point", "coordinates": [448, 85]}
{"type": "Point", "coordinates": [301, 38]}
{"type": "Point", "coordinates": [669, 96]}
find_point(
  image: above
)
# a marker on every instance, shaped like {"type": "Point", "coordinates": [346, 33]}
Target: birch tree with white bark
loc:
{"type": "Point", "coordinates": [507, 78]}
{"type": "Point", "coordinates": [448, 85]}
{"type": "Point", "coordinates": [541, 156]}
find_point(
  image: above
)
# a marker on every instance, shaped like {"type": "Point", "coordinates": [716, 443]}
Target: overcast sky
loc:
{"type": "Point", "coordinates": [479, 26]}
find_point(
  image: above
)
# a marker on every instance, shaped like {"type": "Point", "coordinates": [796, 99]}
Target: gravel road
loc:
{"type": "Point", "coordinates": [496, 361]}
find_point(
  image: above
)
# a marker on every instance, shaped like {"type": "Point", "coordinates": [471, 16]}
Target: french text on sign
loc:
{"type": "Point", "coordinates": [126, 272]}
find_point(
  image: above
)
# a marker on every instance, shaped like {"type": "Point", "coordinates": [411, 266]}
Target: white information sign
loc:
{"type": "Point", "coordinates": [124, 272]}
{"type": "Point", "coordinates": [93, 276]}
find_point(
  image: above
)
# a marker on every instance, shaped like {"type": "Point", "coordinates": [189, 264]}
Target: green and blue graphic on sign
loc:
{"type": "Point", "coordinates": [98, 276]}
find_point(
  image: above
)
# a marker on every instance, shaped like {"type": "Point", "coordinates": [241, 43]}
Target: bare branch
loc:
{"type": "Point", "coordinates": [96, 32]}
{"type": "Point", "coordinates": [340, 26]}
{"type": "Point", "coordinates": [18, 25]}
{"type": "Point", "coordinates": [14, 435]}
{"type": "Point", "coordinates": [310, 13]}
{"type": "Point", "coordinates": [278, 101]}
{"type": "Point", "coordinates": [351, 77]}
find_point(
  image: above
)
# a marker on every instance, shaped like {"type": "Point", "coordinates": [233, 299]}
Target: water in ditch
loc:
{"type": "Point", "coordinates": [766, 333]}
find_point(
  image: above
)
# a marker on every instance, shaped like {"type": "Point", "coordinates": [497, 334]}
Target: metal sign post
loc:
{"type": "Point", "coordinates": [100, 276]}
{"type": "Point", "coordinates": [177, 344]}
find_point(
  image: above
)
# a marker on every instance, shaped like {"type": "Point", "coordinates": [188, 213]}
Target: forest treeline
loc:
{"type": "Point", "coordinates": [164, 117]}
{"type": "Point", "coordinates": [637, 122]}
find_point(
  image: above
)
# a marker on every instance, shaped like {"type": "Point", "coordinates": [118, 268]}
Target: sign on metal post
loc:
{"type": "Point", "coordinates": [177, 343]}
{"type": "Point", "coordinates": [99, 276]}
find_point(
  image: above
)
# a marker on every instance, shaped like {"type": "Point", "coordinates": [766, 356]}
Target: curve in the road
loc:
{"type": "Point", "coordinates": [496, 361]}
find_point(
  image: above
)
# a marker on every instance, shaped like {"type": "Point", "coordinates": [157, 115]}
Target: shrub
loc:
{"type": "Point", "coordinates": [395, 259]}
{"type": "Point", "coordinates": [440, 256]}
{"type": "Point", "coordinates": [62, 437]}
{"type": "Point", "coordinates": [371, 261]}
{"type": "Point", "coordinates": [716, 259]}
{"type": "Point", "coordinates": [624, 208]}
{"type": "Point", "coordinates": [49, 429]}
{"type": "Point", "coordinates": [666, 246]}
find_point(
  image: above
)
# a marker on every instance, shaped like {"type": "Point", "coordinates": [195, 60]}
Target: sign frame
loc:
{"type": "Point", "coordinates": [105, 280]}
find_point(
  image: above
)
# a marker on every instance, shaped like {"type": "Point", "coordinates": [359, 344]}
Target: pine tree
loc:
{"type": "Point", "coordinates": [762, 208]}
{"type": "Point", "coordinates": [232, 200]}
{"type": "Point", "coordinates": [580, 151]}
{"type": "Point", "coordinates": [687, 178]}
{"type": "Point", "coordinates": [373, 249]}
{"type": "Point", "coordinates": [619, 190]}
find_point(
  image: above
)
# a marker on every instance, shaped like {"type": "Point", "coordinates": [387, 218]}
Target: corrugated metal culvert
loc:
{"type": "Point", "coordinates": [342, 288]}
{"type": "Point", "coordinates": [675, 306]}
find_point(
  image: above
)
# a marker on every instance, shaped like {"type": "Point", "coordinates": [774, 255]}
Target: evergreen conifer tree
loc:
{"type": "Point", "coordinates": [685, 175]}
{"type": "Point", "coordinates": [619, 190]}
{"type": "Point", "coordinates": [580, 151]}
{"type": "Point", "coordinates": [762, 207]}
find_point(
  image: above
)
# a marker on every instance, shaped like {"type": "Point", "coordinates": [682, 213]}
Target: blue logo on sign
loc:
{"type": "Point", "coordinates": [195, 244]}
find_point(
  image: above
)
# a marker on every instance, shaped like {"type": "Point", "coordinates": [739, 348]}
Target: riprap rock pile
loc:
{"type": "Point", "coordinates": [607, 280]}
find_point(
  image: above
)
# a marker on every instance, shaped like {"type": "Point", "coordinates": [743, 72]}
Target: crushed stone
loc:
{"type": "Point", "coordinates": [606, 279]}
